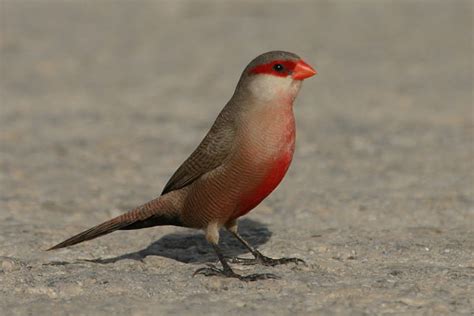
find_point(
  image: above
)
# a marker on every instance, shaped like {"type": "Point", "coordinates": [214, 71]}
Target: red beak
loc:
{"type": "Point", "coordinates": [303, 70]}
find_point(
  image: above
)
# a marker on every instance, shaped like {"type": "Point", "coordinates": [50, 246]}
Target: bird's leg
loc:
{"type": "Point", "coordinates": [212, 235]}
{"type": "Point", "coordinates": [227, 271]}
{"type": "Point", "coordinates": [259, 258]}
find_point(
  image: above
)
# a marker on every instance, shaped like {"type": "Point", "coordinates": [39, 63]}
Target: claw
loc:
{"type": "Point", "coordinates": [207, 271]}
{"type": "Point", "coordinates": [244, 261]}
{"type": "Point", "coordinates": [266, 261]}
{"type": "Point", "coordinates": [289, 260]}
{"type": "Point", "coordinates": [259, 276]}
{"type": "Point", "coordinates": [212, 270]}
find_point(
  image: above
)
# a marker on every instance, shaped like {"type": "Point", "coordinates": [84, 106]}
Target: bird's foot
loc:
{"type": "Point", "coordinates": [266, 261]}
{"type": "Point", "coordinates": [212, 270]}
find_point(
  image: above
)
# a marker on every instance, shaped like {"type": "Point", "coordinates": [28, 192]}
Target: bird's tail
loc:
{"type": "Point", "coordinates": [154, 213]}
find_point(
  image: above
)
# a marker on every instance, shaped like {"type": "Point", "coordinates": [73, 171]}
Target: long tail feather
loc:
{"type": "Point", "coordinates": [153, 213]}
{"type": "Point", "coordinates": [94, 232]}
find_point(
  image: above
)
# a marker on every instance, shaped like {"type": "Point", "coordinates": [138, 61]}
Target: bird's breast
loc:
{"type": "Point", "coordinates": [265, 154]}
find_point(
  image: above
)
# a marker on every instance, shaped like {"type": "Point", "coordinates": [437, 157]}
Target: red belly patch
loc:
{"type": "Point", "coordinates": [270, 181]}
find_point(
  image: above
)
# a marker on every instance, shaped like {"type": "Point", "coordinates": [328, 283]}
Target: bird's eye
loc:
{"type": "Point", "coordinates": [278, 67]}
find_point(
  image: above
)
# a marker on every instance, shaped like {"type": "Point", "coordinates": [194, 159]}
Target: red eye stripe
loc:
{"type": "Point", "coordinates": [288, 67]}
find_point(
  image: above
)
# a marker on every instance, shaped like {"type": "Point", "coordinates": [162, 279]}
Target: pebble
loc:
{"type": "Point", "coordinates": [10, 264]}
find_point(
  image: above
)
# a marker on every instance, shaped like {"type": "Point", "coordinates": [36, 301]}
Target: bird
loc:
{"type": "Point", "coordinates": [240, 161]}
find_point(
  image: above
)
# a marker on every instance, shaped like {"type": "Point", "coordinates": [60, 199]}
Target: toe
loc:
{"type": "Point", "coordinates": [261, 276]}
{"type": "Point", "coordinates": [208, 271]}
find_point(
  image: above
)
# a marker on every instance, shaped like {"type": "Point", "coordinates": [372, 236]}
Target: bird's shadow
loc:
{"type": "Point", "coordinates": [192, 247]}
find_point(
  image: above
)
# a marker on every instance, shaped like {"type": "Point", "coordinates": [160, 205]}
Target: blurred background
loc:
{"type": "Point", "coordinates": [102, 100]}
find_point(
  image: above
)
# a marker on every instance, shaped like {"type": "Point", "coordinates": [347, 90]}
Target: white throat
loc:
{"type": "Point", "coordinates": [268, 88]}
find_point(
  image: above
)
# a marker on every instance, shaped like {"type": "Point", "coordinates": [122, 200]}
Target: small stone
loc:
{"type": "Point", "coordinates": [9, 264]}
{"type": "Point", "coordinates": [412, 301]}
{"type": "Point", "coordinates": [214, 284]}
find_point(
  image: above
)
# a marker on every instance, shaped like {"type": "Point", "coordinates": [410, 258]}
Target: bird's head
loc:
{"type": "Point", "coordinates": [275, 76]}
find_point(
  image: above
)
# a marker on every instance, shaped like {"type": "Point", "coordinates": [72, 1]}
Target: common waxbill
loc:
{"type": "Point", "coordinates": [240, 161]}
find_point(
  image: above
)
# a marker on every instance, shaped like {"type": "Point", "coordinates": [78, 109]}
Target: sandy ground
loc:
{"type": "Point", "coordinates": [101, 101]}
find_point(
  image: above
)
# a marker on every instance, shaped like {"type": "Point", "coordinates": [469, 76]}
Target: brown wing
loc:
{"type": "Point", "coordinates": [210, 154]}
